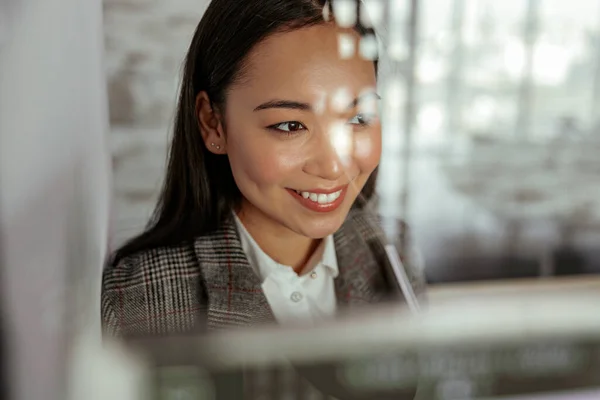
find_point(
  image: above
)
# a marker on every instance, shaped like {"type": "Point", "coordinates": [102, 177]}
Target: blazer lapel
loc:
{"type": "Point", "coordinates": [235, 296]}
{"type": "Point", "coordinates": [360, 281]}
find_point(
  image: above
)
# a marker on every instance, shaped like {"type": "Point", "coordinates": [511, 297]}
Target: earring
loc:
{"type": "Point", "coordinates": [216, 145]}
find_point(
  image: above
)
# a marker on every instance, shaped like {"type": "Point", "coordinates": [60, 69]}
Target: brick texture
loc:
{"type": "Point", "coordinates": [146, 41]}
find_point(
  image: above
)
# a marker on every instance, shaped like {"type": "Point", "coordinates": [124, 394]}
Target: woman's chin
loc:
{"type": "Point", "coordinates": [320, 229]}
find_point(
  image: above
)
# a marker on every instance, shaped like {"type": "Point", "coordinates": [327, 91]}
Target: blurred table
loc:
{"type": "Point", "coordinates": [543, 286]}
{"type": "Point", "coordinates": [484, 341]}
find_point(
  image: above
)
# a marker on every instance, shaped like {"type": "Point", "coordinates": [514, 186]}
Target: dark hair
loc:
{"type": "Point", "coordinates": [199, 191]}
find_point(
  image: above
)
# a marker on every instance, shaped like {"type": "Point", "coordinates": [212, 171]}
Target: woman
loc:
{"type": "Point", "coordinates": [262, 215]}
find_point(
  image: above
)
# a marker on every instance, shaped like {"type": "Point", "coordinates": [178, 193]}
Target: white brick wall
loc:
{"type": "Point", "coordinates": [146, 41]}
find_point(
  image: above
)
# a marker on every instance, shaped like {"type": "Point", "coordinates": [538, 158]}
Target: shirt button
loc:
{"type": "Point", "coordinates": [313, 275]}
{"type": "Point", "coordinates": [296, 297]}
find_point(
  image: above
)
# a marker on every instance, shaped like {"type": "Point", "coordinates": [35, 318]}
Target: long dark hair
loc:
{"type": "Point", "coordinates": [199, 191]}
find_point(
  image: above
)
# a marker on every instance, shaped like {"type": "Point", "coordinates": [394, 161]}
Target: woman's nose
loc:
{"type": "Point", "coordinates": [331, 152]}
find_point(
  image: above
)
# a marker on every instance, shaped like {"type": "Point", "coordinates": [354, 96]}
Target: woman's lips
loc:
{"type": "Point", "coordinates": [320, 200]}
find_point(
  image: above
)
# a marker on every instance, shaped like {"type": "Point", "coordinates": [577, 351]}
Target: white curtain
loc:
{"type": "Point", "coordinates": [54, 185]}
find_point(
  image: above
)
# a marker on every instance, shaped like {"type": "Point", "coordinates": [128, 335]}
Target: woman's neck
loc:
{"type": "Point", "coordinates": [278, 242]}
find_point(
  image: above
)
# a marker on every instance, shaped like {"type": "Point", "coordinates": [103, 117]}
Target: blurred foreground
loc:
{"type": "Point", "coordinates": [540, 339]}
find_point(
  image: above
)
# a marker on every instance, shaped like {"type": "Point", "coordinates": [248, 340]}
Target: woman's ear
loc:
{"type": "Point", "coordinates": [210, 124]}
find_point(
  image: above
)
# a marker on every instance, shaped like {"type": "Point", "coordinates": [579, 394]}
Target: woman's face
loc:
{"type": "Point", "coordinates": [302, 131]}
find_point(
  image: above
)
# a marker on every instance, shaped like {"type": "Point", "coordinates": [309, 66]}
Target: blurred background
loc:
{"type": "Point", "coordinates": [493, 162]}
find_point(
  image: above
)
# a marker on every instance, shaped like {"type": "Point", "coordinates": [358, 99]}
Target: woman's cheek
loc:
{"type": "Point", "coordinates": [271, 165]}
{"type": "Point", "coordinates": [368, 150]}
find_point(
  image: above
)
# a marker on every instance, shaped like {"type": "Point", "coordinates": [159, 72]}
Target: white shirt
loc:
{"type": "Point", "coordinates": [293, 298]}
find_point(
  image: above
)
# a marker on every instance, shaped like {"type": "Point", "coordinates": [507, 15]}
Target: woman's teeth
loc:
{"type": "Point", "coordinates": [320, 198]}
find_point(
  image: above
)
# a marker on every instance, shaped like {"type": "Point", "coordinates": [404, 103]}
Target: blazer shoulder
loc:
{"type": "Point", "coordinates": [147, 265]}
{"type": "Point", "coordinates": [374, 228]}
{"type": "Point", "coordinates": [154, 291]}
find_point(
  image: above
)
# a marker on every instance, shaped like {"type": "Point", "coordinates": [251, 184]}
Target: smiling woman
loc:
{"type": "Point", "coordinates": [263, 212]}
{"type": "Point", "coordinates": [278, 145]}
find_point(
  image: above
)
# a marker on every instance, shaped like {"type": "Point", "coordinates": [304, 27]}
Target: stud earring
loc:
{"type": "Point", "coordinates": [216, 145]}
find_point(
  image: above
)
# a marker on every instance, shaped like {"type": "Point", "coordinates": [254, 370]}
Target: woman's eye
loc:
{"type": "Point", "coordinates": [289, 126]}
{"type": "Point", "coordinates": [360, 119]}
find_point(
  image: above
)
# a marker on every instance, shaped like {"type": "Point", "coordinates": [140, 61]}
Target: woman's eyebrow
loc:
{"type": "Point", "coordinates": [297, 105]}
{"type": "Point", "coordinates": [364, 97]}
{"type": "Point", "coordinates": [290, 104]}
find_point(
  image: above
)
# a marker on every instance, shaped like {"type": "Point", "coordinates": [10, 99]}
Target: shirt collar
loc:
{"type": "Point", "coordinates": [265, 265]}
{"type": "Point", "coordinates": [329, 259]}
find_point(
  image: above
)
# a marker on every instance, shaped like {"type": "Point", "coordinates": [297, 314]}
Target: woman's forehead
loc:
{"type": "Point", "coordinates": [306, 61]}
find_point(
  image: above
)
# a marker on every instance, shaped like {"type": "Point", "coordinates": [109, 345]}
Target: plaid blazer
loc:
{"type": "Point", "coordinates": [209, 283]}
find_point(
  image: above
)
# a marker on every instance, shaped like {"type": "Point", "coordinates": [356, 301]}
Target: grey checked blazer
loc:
{"type": "Point", "coordinates": [209, 284]}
